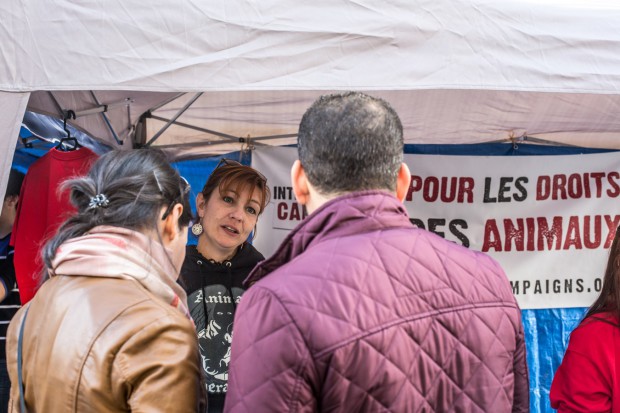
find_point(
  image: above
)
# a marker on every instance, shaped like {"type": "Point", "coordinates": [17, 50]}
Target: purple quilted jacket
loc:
{"type": "Point", "coordinates": [359, 311]}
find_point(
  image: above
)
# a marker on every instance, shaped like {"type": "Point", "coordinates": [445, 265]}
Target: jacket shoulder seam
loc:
{"type": "Point", "coordinates": [404, 320]}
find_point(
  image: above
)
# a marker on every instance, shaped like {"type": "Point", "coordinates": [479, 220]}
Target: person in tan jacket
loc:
{"type": "Point", "coordinates": [109, 331]}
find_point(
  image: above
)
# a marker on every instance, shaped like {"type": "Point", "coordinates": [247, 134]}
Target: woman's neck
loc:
{"type": "Point", "coordinates": [214, 254]}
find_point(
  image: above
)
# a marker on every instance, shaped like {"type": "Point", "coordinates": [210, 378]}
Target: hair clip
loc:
{"type": "Point", "coordinates": [161, 189]}
{"type": "Point", "coordinates": [99, 201]}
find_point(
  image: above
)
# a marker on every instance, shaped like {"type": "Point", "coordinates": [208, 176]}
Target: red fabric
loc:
{"type": "Point", "coordinates": [586, 380]}
{"type": "Point", "coordinates": [41, 210]}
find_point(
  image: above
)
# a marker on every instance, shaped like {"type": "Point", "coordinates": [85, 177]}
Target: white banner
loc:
{"type": "Point", "coordinates": [548, 220]}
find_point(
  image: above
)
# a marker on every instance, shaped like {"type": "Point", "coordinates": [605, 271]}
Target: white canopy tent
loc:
{"type": "Point", "coordinates": [208, 77]}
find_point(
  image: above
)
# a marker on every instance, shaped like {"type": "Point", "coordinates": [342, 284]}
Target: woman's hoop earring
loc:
{"type": "Point", "coordinates": [197, 229]}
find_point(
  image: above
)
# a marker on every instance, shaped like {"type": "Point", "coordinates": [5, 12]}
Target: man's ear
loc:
{"type": "Point", "coordinates": [170, 230]}
{"type": "Point", "coordinates": [402, 182]}
{"type": "Point", "coordinates": [300, 183]}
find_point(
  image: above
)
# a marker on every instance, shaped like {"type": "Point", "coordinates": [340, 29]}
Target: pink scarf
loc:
{"type": "Point", "coordinates": [115, 252]}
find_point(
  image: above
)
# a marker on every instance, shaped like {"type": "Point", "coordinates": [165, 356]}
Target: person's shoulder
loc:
{"type": "Point", "coordinates": [597, 331]}
{"type": "Point", "coordinates": [123, 296]}
{"type": "Point", "coordinates": [191, 252]}
{"type": "Point", "coordinates": [254, 253]}
{"type": "Point", "coordinates": [597, 324]}
{"type": "Point", "coordinates": [144, 311]}
{"type": "Point", "coordinates": [447, 250]}
{"type": "Point", "coordinates": [248, 255]}
{"type": "Point", "coordinates": [190, 263]}
{"type": "Point", "coordinates": [145, 300]}
{"type": "Point", "coordinates": [290, 281]}
{"type": "Point", "coordinates": [476, 275]}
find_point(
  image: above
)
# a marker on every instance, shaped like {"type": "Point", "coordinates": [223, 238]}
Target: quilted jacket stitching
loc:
{"type": "Point", "coordinates": [439, 372]}
{"type": "Point", "coordinates": [414, 317]}
{"type": "Point", "coordinates": [474, 268]}
{"type": "Point", "coordinates": [366, 393]}
{"type": "Point", "coordinates": [299, 368]}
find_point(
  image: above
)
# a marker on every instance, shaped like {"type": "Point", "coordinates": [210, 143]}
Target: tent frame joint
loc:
{"type": "Point", "coordinates": [246, 144]}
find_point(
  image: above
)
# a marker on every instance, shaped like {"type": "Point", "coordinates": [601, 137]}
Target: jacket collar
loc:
{"type": "Point", "coordinates": [353, 213]}
{"type": "Point", "coordinates": [114, 252]}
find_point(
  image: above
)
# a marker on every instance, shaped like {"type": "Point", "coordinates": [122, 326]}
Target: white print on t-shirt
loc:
{"type": "Point", "coordinates": [214, 335]}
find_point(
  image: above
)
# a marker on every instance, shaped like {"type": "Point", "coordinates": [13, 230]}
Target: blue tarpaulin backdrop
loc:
{"type": "Point", "coordinates": [546, 331]}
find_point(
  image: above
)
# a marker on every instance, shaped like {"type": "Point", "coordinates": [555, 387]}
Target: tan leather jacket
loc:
{"type": "Point", "coordinates": [103, 345]}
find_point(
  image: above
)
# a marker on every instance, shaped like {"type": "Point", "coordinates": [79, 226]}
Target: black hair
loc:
{"type": "Point", "coordinates": [350, 142]}
{"type": "Point", "coordinates": [609, 298]}
{"type": "Point", "coordinates": [136, 184]}
{"type": "Point", "coordinates": [14, 186]}
{"type": "Point", "coordinates": [239, 177]}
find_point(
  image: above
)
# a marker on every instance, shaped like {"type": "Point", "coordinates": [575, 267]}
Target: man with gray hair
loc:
{"type": "Point", "coordinates": [358, 310]}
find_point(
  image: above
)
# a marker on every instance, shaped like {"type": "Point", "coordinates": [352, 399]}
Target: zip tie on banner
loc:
{"type": "Point", "coordinates": [514, 139]}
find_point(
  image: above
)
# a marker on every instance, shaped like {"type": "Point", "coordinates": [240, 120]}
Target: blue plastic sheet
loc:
{"type": "Point", "coordinates": [546, 337]}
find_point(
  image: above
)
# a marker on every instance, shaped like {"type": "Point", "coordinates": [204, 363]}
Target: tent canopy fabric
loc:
{"type": "Point", "coordinates": [462, 71]}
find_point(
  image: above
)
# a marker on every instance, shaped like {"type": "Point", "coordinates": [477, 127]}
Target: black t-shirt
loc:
{"type": "Point", "coordinates": [216, 288]}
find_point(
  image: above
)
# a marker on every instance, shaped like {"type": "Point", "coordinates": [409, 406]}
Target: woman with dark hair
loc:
{"type": "Point", "coordinates": [109, 330]}
{"type": "Point", "coordinates": [214, 270]}
{"type": "Point", "coordinates": [587, 380]}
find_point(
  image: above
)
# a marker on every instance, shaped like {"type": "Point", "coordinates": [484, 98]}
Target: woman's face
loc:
{"type": "Point", "coordinates": [227, 218]}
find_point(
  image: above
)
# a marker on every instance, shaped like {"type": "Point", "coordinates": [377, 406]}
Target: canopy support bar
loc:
{"type": "Point", "coordinates": [100, 108]}
{"type": "Point", "coordinates": [199, 144]}
{"type": "Point", "coordinates": [266, 138]}
{"type": "Point", "coordinates": [220, 134]}
{"type": "Point", "coordinates": [105, 117]}
{"type": "Point", "coordinates": [174, 118]}
{"type": "Point", "coordinates": [92, 111]}
{"type": "Point", "coordinates": [187, 125]}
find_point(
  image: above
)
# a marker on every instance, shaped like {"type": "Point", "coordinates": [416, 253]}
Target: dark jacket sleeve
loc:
{"type": "Point", "coordinates": [159, 361]}
{"type": "Point", "coordinates": [270, 368]}
{"type": "Point", "coordinates": [7, 273]}
{"type": "Point", "coordinates": [522, 384]}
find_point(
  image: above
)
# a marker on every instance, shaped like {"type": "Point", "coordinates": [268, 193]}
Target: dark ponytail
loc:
{"type": "Point", "coordinates": [124, 189]}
